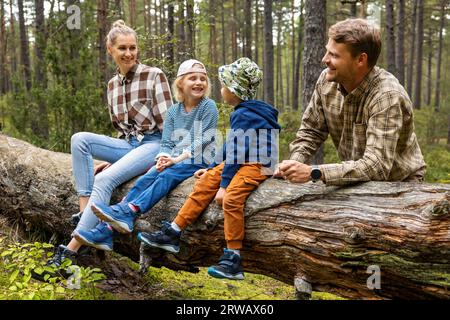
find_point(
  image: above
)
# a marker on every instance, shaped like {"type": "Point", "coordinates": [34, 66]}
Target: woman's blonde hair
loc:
{"type": "Point", "coordinates": [118, 27]}
{"type": "Point", "coordinates": [178, 91]}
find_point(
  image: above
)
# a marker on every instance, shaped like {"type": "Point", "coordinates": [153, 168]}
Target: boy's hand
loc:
{"type": "Point", "coordinates": [199, 173]}
{"type": "Point", "coordinates": [101, 167]}
{"type": "Point", "coordinates": [220, 195]}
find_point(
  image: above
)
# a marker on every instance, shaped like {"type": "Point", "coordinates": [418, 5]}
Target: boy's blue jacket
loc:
{"type": "Point", "coordinates": [254, 145]}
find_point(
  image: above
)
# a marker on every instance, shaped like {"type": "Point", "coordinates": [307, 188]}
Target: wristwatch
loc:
{"type": "Point", "coordinates": [316, 174]}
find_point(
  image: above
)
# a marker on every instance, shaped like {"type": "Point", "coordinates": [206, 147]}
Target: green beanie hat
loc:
{"type": "Point", "coordinates": [242, 78]}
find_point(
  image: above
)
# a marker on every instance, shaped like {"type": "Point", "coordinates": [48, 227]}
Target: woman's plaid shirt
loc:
{"type": "Point", "coordinates": [138, 101]}
{"type": "Point", "coordinates": [372, 129]}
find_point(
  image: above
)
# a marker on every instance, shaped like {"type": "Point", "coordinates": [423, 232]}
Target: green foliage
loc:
{"type": "Point", "coordinates": [17, 262]}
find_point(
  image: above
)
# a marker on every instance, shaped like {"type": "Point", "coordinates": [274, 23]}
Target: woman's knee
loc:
{"type": "Point", "coordinates": [79, 140]}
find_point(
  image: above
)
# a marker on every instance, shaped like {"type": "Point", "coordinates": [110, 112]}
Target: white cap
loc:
{"type": "Point", "coordinates": [188, 67]}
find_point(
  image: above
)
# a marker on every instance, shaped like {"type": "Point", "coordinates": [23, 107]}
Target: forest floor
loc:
{"type": "Point", "coordinates": [125, 282]}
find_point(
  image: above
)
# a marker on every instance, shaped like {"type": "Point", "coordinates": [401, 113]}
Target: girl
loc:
{"type": "Point", "coordinates": [186, 145]}
{"type": "Point", "coordinates": [138, 98]}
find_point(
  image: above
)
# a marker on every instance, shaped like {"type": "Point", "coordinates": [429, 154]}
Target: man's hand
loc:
{"type": "Point", "coordinates": [199, 173]}
{"type": "Point", "coordinates": [101, 167]}
{"type": "Point", "coordinates": [277, 174]}
{"type": "Point", "coordinates": [295, 171]}
{"type": "Point", "coordinates": [220, 195]}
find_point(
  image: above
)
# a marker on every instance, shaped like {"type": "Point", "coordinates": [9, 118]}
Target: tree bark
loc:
{"type": "Point", "coordinates": [248, 29]}
{"type": "Point", "coordinates": [170, 37]}
{"type": "Point", "coordinates": [298, 60]}
{"type": "Point", "coordinates": [40, 124]}
{"type": "Point", "coordinates": [3, 37]}
{"type": "Point", "coordinates": [400, 49]}
{"type": "Point", "coordinates": [390, 37]}
{"type": "Point", "coordinates": [24, 50]}
{"type": "Point", "coordinates": [268, 53]}
{"type": "Point", "coordinates": [411, 61]}
{"type": "Point", "coordinates": [190, 31]}
{"type": "Point", "coordinates": [102, 22]}
{"type": "Point", "coordinates": [437, 93]}
{"type": "Point", "coordinates": [328, 236]}
{"type": "Point", "coordinates": [314, 50]}
{"type": "Point", "coordinates": [132, 5]}
{"type": "Point", "coordinates": [418, 83]}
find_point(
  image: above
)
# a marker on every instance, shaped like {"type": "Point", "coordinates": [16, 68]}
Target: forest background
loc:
{"type": "Point", "coordinates": [54, 69]}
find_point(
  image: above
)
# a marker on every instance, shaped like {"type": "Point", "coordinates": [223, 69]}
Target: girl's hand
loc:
{"type": "Point", "coordinates": [220, 195]}
{"type": "Point", "coordinates": [198, 174]}
{"type": "Point", "coordinates": [164, 162]}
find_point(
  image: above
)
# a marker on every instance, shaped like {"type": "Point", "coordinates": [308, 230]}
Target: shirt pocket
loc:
{"type": "Point", "coordinates": [359, 140]}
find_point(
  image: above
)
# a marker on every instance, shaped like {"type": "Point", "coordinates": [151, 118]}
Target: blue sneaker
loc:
{"type": "Point", "coordinates": [119, 216]}
{"type": "Point", "coordinates": [101, 237]}
{"type": "Point", "coordinates": [167, 239]}
{"type": "Point", "coordinates": [229, 267]}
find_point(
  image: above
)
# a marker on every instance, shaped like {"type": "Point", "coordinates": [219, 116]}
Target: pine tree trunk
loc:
{"type": "Point", "coordinates": [332, 237]}
{"type": "Point", "coordinates": [429, 65]}
{"type": "Point", "coordinates": [170, 34]}
{"type": "Point", "coordinates": [390, 37]}
{"type": "Point", "coordinates": [234, 47]}
{"type": "Point", "coordinates": [314, 50]}
{"type": "Point", "coordinates": [39, 124]}
{"type": "Point", "coordinates": [437, 98]}
{"type": "Point", "coordinates": [412, 50]}
{"type": "Point", "coordinates": [224, 42]}
{"type": "Point", "coordinates": [102, 22]}
{"type": "Point", "coordinates": [132, 5]}
{"type": "Point", "coordinates": [268, 53]}
{"type": "Point", "coordinates": [3, 49]}
{"type": "Point", "coordinates": [419, 55]}
{"type": "Point", "coordinates": [24, 49]}
{"type": "Point", "coordinates": [248, 29]}
{"type": "Point", "coordinates": [298, 61]}
{"type": "Point", "coordinates": [181, 39]}
{"type": "Point", "coordinates": [190, 32]}
{"type": "Point", "coordinates": [400, 50]}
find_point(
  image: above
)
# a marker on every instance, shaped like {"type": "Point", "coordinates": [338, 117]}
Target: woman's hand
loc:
{"type": "Point", "coordinates": [101, 167]}
{"type": "Point", "coordinates": [199, 173]}
{"type": "Point", "coordinates": [220, 195]}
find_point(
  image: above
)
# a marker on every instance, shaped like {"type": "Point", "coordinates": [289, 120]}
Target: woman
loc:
{"type": "Point", "coordinates": [138, 99]}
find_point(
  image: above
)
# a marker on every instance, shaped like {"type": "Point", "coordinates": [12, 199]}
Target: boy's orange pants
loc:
{"type": "Point", "coordinates": [246, 179]}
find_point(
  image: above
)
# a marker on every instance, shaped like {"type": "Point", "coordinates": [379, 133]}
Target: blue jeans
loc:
{"type": "Point", "coordinates": [129, 159]}
{"type": "Point", "coordinates": [154, 185]}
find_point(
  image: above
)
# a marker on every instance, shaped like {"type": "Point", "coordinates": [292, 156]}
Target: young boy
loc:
{"type": "Point", "coordinates": [231, 181]}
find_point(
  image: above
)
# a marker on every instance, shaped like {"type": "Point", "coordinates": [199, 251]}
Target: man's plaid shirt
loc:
{"type": "Point", "coordinates": [372, 128]}
{"type": "Point", "coordinates": [138, 101]}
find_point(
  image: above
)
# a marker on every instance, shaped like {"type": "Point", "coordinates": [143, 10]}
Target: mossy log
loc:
{"type": "Point", "coordinates": [333, 239]}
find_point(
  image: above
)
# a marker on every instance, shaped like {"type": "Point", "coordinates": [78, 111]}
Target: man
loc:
{"type": "Point", "coordinates": [366, 111]}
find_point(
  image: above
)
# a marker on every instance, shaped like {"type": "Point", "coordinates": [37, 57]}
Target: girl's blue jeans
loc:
{"type": "Point", "coordinates": [129, 158]}
{"type": "Point", "coordinates": [154, 185]}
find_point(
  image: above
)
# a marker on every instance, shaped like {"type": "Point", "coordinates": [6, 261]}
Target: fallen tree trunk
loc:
{"type": "Point", "coordinates": [374, 240]}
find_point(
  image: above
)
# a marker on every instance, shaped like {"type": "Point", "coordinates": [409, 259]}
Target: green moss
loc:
{"type": "Point", "coordinates": [428, 273]}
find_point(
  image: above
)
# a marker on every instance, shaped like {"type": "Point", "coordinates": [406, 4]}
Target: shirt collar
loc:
{"type": "Point", "coordinates": [130, 74]}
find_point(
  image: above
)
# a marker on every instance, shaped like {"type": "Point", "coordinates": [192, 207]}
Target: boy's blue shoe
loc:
{"type": "Point", "coordinates": [101, 237]}
{"type": "Point", "coordinates": [229, 267]}
{"type": "Point", "coordinates": [119, 216]}
{"type": "Point", "coordinates": [167, 239]}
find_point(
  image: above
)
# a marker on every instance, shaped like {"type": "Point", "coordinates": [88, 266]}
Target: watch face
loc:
{"type": "Point", "coordinates": [316, 174]}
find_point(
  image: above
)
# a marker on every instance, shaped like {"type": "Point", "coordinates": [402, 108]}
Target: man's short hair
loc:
{"type": "Point", "coordinates": [360, 36]}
